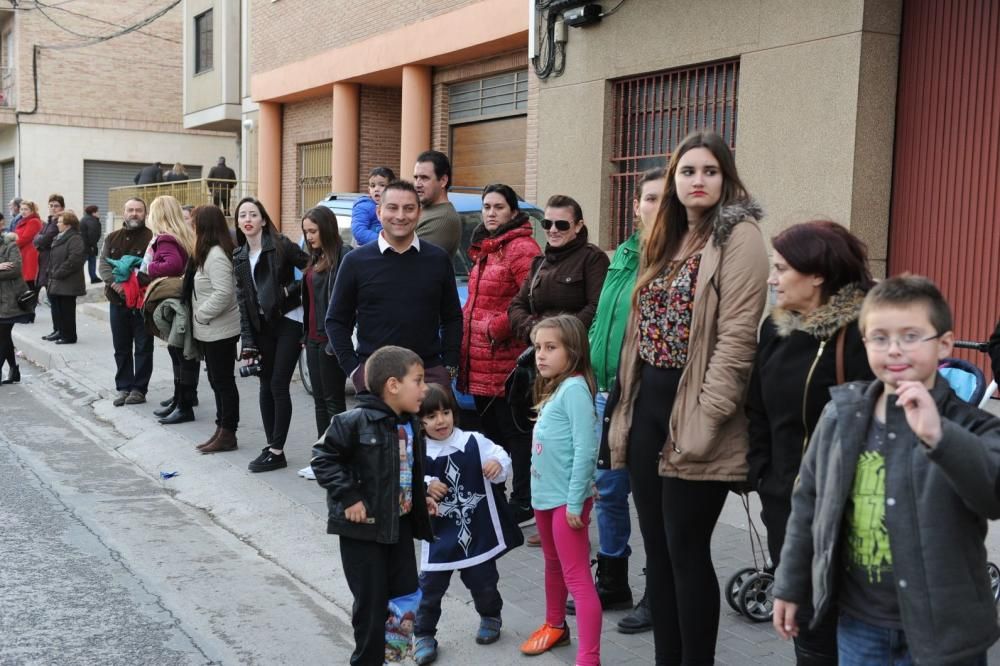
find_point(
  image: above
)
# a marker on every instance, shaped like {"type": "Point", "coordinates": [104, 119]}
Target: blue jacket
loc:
{"type": "Point", "coordinates": [364, 222]}
{"type": "Point", "coordinates": [937, 502]}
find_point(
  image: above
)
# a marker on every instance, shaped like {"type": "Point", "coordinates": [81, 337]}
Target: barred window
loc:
{"type": "Point", "coordinates": [654, 112]}
{"type": "Point", "coordinates": [315, 173]}
{"type": "Point", "coordinates": [504, 94]}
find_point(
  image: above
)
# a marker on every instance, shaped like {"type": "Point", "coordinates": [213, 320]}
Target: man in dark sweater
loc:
{"type": "Point", "coordinates": [398, 291]}
{"type": "Point", "coordinates": [127, 326]}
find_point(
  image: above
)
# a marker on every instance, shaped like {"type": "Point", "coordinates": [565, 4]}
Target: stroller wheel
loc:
{"type": "Point", "coordinates": [734, 584]}
{"type": "Point", "coordinates": [994, 580]}
{"type": "Point", "coordinates": [755, 598]}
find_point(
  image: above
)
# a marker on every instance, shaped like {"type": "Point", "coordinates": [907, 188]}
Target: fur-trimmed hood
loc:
{"type": "Point", "coordinates": [842, 309]}
{"type": "Point", "coordinates": [731, 215]}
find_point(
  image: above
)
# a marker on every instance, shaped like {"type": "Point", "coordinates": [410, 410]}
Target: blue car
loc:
{"type": "Point", "coordinates": [469, 205]}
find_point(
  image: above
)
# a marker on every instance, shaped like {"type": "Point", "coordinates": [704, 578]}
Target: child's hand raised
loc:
{"type": "Point", "coordinates": [437, 489]}
{"type": "Point", "coordinates": [492, 469]}
{"type": "Point", "coordinates": [356, 512]}
{"type": "Point", "coordinates": [921, 412]}
{"type": "Point", "coordinates": [574, 521]}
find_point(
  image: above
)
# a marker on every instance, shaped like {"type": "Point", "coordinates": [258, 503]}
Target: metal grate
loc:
{"type": "Point", "coordinates": [315, 170]}
{"type": "Point", "coordinates": [504, 94]}
{"type": "Point", "coordinates": [654, 112]}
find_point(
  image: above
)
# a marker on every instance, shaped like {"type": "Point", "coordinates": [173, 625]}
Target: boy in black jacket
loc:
{"type": "Point", "coordinates": [371, 463]}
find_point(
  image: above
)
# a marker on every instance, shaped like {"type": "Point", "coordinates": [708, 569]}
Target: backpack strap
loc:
{"type": "Point", "coordinates": [841, 337]}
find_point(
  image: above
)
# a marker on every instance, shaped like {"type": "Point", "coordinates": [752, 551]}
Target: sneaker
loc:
{"type": "Point", "coordinates": [489, 630]}
{"type": "Point", "coordinates": [307, 473]}
{"type": "Point", "coordinates": [425, 650]}
{"type": "Point", "coordinates": [267, 461]}
{"type": "Point", "coordinates": [524, 516]}
{"type": "Point", "coordinates": [544, 639]}
{"type": "Point", "coordinates": [135, 397]}
{"type": "Point", "coordinates": [120, 398]}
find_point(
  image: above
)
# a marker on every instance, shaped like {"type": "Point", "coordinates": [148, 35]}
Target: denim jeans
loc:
{"type": "Point", "coordinates": [481, 580]}
{"type": "Point", "coordinates": [92, 267]}
{"type": "Point", "coordinates": [614, 525]}
{"type": "Point", "coordinates": [863, 644]}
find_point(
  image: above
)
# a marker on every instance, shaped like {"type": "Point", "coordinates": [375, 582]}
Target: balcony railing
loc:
{"type": "Point", "coordinates": [187, 192]}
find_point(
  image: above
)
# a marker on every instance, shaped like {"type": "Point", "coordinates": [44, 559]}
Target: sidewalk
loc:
{"type": "Point", "coordinates": [283, 517]}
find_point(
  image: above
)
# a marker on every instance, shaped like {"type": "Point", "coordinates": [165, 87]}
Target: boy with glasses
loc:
{"type": "Point", "coordinates": [890, 513]}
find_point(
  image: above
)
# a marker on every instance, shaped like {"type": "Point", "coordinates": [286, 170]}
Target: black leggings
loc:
{"type": "Point", "coordinates": [677, 518]}
{"type": "Point", "coordinates": [7, 346]}
{"type": "Point", "coordinates": [220, 362]}
{"type": "Point", "coordinates": [329, 384]}
{"type": "Point", "coordinates": [279, 344]}
{"type": "Point", "coordinates": [186, 372]}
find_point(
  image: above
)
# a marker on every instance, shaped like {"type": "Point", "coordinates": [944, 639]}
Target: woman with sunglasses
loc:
{"type": "Point", "coordinates": [270, 301]}
{"type": "Point", "coordinates": [809, 343]}
{"type": "Point", "coordinates": [566, 279]}
{"type": "Point", "coordinates": [502, 251]}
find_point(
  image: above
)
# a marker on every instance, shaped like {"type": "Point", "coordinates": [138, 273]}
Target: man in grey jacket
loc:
{"type": "Point", "coordinates": [896, 488]}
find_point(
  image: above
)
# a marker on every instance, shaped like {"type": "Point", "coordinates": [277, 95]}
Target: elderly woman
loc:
{"type": "Point", "coordinates": [12, 285]}
{"type": "Point", "coordinates": [67, 256]}
{"type": "Point", "coordinates": [808, 343]}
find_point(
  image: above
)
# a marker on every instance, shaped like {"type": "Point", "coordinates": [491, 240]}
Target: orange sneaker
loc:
{"type": "Point", "coordinates": [544, 639]}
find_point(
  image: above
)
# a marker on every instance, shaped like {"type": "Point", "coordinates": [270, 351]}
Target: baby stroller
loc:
{"type": "Point", "coordinates": [969, 384]}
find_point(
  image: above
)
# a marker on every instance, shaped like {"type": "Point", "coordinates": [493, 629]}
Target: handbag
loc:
{"type": "Point", "coordinates": [520, 390]}
{"type": "Point", "coordinates": [28, 300]}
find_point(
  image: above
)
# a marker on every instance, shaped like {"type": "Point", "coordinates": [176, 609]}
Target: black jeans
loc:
{"type": "Point", "coordinates": [92, 267]}
{"type": "Point", "coordinates": [376, 573]}
{"type": "Point", "coordinates": [497, 423]}
{"type": "Point", "coordinates": [816, 647]}
{"type": "Point", "coordinates": [7, 346]}
{"type": "Point", "coordinates": [185, 376]}
{"type": "Point", "coordinates": [220, 362]}
{"type": "Point", "coordinates": [279, 345]}
{"type": "Point", "coordinates": [64, 316]}
{"type": "Point", "coordinates": [677, 518]}
{"type": "Point", "coordinates": [481, 580]}
{"type": "Point", "coordinates": [328, 384]}
{"type": "Point", "coordinates": [128, 331]}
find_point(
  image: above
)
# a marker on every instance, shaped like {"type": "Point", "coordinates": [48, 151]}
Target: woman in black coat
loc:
{"type": "Point", "coordinates": [66, 281]}
{"type": "Point", "coordinates": [808, 343]}
{"type": "Point", "coordinates": [270, 301]}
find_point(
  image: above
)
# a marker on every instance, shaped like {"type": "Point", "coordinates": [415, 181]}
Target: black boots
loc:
{"type": "Point", "coordinates": [167, 408]}
{"type": "Point", "coordinates": [612, 584]}
{"type": "Point", "coordinates": [182, 411]}
{"type": "Point", "coordinates": [638, 620]}
{"type": "Point", "coordinates": [13, 377]}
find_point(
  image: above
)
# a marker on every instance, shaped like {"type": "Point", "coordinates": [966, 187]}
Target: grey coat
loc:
{"type": "Point", "coordinates": [11, 281]}
{"type": "Point", "coordinates": [213, 300]}
{"type": "Point", "coordinates": [66, 260]}
{"type": "Point", "coordinates": [937, 501]}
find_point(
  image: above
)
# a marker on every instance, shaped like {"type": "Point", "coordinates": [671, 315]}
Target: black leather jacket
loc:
{"type": "Point", "coordinates": [277, 291]}
{"type": "Point", "coordinates": [358, 460]}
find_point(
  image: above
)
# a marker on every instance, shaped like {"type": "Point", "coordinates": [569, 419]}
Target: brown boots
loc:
{"type": "Point", "coordinates": [222, 440]}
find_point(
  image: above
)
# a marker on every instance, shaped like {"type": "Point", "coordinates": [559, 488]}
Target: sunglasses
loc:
{"type": "Point", "coordinates": [560, 225]}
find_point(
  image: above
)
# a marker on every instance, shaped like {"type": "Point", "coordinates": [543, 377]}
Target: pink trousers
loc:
{"type": "Point", "coordinates": [567, 570]}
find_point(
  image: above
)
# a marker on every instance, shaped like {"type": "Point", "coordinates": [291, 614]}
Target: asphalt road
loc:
{"type": "Point", "coordinates": [102, 566]}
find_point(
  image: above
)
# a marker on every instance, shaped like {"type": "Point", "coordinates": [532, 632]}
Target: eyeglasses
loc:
{"type": "Point", "coordinates": [560, 225]}
{"type": "Point", "coordinates": [906, 342]}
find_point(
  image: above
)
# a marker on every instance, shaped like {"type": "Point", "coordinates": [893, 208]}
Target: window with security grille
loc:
{"type": "Point", "coordinates": [315, 173]}
{"type": "Point", "coordinates": [654, 112]}
{"type": "Point", "coordinates": [504, 94]}
{"type": "Point", "coordinates": [203, 42]}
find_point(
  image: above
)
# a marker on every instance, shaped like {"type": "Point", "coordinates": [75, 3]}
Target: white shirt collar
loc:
{"type": "Point", "coordinates": [383, 244]}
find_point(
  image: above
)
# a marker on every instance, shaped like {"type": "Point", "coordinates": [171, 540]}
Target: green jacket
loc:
{"type": "Point", "coordinates": [613, 309]}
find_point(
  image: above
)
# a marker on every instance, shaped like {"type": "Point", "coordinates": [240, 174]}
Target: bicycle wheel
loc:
{"type": "Point", "coordinates": [304, 373]}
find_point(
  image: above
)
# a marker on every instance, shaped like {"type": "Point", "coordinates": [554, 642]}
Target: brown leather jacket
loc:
{"type": "Point", "coordinates": [708, 428]}
{"type": "Point", "coordinates": [565, 280]}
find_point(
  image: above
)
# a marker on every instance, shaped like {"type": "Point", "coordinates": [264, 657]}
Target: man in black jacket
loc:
{"type": "Point", "coordinates": [149, 174]}
{"type": "Point", "coordinates": [221, 180]}
{"type": "Point", "coordinates": [398, 291]}
{"type": "Point", "coordinates": [90, 228]}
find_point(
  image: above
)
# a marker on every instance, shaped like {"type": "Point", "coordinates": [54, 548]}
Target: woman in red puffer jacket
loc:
{"type": "Point", "coordinates": [502, 250]}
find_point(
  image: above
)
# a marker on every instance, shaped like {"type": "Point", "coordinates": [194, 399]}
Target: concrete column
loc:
{"type": "Point", "coordinates": [269, 158]}
{"type": "Point", "coordinates": [415, 121]}
{"type": "Point", "coordinates": [346, 133]}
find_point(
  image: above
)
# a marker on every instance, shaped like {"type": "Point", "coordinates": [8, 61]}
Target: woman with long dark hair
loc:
{"type": "Point", "coordinates": [270, 302]}
{"type": "Point", "coordinates": [326, 252]}
{"type": "Point", "coordinates": [809, 343]}
{"type": "Point", "coordinates": [216, 320]}
{"type": "Point", "coordinates": [502, 251]}
{"type": "Point", "coordinates": [676, 412]}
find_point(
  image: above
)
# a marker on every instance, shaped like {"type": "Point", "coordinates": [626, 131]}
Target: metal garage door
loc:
{"type": "Point", "coordinates": [99, 177]}
{"type": "Point", "coordinates": [7, 182]}
{"type": "Point", "coordinates": [492, 151]}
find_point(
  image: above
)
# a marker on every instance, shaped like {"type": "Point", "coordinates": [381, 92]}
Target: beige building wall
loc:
{"type": "Point", "coordinates": [816, 102]}
{"type": "Point", "coordinates": [213, 95]}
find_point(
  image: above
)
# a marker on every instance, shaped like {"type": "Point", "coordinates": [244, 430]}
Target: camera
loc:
{"type": "Point", "coordinates": [250, 370]}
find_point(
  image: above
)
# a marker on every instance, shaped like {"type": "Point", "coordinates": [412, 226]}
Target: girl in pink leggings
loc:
{"type": "Point", "coordinates": [563, 460]}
